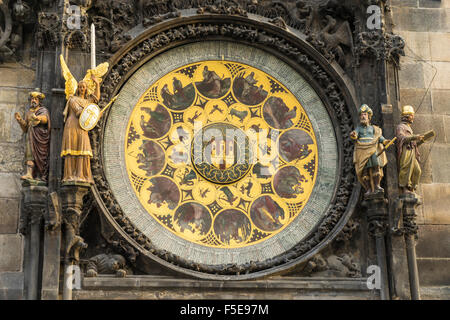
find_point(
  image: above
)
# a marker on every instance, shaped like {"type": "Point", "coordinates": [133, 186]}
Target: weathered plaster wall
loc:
{"type": "Point", "coordinates": [425, 25]}
{"type": "Point", "coordinates": [16, 80]}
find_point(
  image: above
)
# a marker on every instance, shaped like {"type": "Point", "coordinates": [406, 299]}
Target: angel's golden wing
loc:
{"type": "Point", "coordinates": [98, 72]}
{"type": "Point", "coordinates": [71, 82]}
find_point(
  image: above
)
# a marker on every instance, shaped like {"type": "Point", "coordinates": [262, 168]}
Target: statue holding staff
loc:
{"type": "Point", "coordinates": [36, 126]}
{"type": "Point", "coordinates": [369, 157]}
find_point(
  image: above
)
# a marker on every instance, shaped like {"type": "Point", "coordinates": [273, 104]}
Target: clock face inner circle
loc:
{"type": "Point", "coordinates": [221, 154]}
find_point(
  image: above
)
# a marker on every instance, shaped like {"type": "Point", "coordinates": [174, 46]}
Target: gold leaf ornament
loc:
{"type": "Point", "coordinates": [98, 72]}
{"type": "Point", "coordinates": [71, 83]}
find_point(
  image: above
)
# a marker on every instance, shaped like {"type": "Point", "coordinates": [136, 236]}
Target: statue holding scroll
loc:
{"type": "Point", "coordinates": [76, 146]}
{"type": "Point", "coordinates": [408, 155]}
{"type": "Point", "coordinates": [36, 126]}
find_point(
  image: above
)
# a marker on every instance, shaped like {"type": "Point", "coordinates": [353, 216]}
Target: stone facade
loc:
{"type": "Point", "coordinates": [425, 84]}
{"type": "Point", "coordinates": [423, 80]}
{"type": "Point", "coordinates": [16, 81]}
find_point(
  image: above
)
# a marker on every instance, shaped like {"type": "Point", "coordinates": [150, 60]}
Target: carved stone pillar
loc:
{"type": "Point", "coordinates": [405, 223]}
{"type": "Point", "coordinates": [34, 209]}
{"type": "Point", "coordinates": [376, 212]}
{"type": "Point", "coordinates": [72, 203]}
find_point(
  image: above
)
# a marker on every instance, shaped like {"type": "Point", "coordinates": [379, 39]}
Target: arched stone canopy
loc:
{"type": "Point", "coordinates": [290, 48]}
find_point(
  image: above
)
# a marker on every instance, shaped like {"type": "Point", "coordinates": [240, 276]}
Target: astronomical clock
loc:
{"type": "Point", "coordinates": [223, 157]}
{"type": "Point", "coordinates": [221, 154]}
{"type": "Point", "coordinates": [211, 140]}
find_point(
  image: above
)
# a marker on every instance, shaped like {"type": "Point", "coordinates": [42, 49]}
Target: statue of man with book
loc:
{"type": "Point", "coordinates": [408, 155]}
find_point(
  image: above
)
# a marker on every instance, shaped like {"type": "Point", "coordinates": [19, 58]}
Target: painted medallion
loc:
{"type": "Point", "coordinates": [221, 154]}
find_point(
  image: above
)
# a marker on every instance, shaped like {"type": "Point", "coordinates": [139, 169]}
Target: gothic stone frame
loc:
{"type": "Point", "coordinates": [290, 46]}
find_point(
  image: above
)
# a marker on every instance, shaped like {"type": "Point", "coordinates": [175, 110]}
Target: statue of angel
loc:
{"type": "Point", "coordinates": [76, 146]}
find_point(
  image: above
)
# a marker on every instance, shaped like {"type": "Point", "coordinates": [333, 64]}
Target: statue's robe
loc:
{"type": "Point", "coordinates": [407, 157]}
{"type": "Point", "coordinates": [76, 146]}
{"type": "Point", "coordinates": [366, 150]}
{"type": "Point", "coordinates": [38, 143]}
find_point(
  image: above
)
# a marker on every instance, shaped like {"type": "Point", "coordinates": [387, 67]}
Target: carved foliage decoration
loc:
{"type": "Point", "coordinates": [383, 46]}
{"type": "Point", "coordinates": [348, 231]}
{"type": "Point", "coordinates": [328, 24]}
{"type": "Point", "coordinates": [263, 38]}
{"type": "Point", "coordinates": [48, 30]}
{"type": "Point", "coordinates": [112, 20]}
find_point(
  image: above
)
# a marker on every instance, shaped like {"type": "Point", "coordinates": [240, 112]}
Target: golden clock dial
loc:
{"type": "Point", "coordinates": [221, 154]}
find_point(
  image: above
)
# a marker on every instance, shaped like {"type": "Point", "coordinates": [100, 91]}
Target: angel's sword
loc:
{"type": "Point", "coordinates": [93, 62]}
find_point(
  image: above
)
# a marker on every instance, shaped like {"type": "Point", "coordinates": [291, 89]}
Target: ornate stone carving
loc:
{"type": "Point", "coordinates": [382, 46]}
{"type": "Point", "coordinates": [405, 215]}
{"type": "Point", "coordinates": [34, 205]}
{"type": "Point", "coordinates": [348, 231]}
{"type": "Point", "coordinates": [14, 16]}
{"type": "Point", "coordinates": [53, 216]}
{"type": "Point", "coordinates": [279, 22]}
{"type": "Point", "coordinates": [160, 7]}
{"type": "Point", "coordinates": [376, 210]}
{"type": "Point", "coordinates": [106, 264]}
{"type": "Point", "coordinates": [112, 20]}
{"type": "Point", "coordinates": [327, 27]}
{"type": "Point", "coordinates": [5, 32]}
{"type": "Point", "coordinates": [249, 34]}
{"type": "Point", "coordinates": [159, 18]}
{"type": "Point", "coordinates": [343, 265]}
{"type": "Point", "coordinates": [330, 44]}
{"type": "Point", "coordinates": [48, 30]}
{"type": "Point", "coordinates": [223, 7]}
{"type": "Point", "coordinates": [72, 203]}
{"type": "Point", "coordinates": [409, 215]}
{"type": "Point", "coordinates": [327, 23]}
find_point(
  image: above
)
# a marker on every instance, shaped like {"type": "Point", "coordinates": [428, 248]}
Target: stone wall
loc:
{"type": "Point", "coordinates": [16, 80]}
{"type": "Point", "coordinates": [425, 26]}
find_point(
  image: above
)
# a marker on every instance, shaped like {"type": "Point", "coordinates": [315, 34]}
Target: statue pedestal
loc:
{"type": "Point", "coordinates": [375, 206]}
{"type": "Point", "coordinates": [72, 203]}
{"type": "Point", "coordinates": [34, 195]}
{"type": "Point", "coordinates": [409, 203]}
{"type": "Point", "coordinates": [34, 205]}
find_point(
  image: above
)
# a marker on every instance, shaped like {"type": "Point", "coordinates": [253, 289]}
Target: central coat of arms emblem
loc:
{"type": "Point", "coordinates": [221, 153]}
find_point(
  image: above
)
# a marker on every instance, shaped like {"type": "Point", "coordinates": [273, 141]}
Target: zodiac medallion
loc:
{"type": "Point", "coordinates": [221, 154]}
